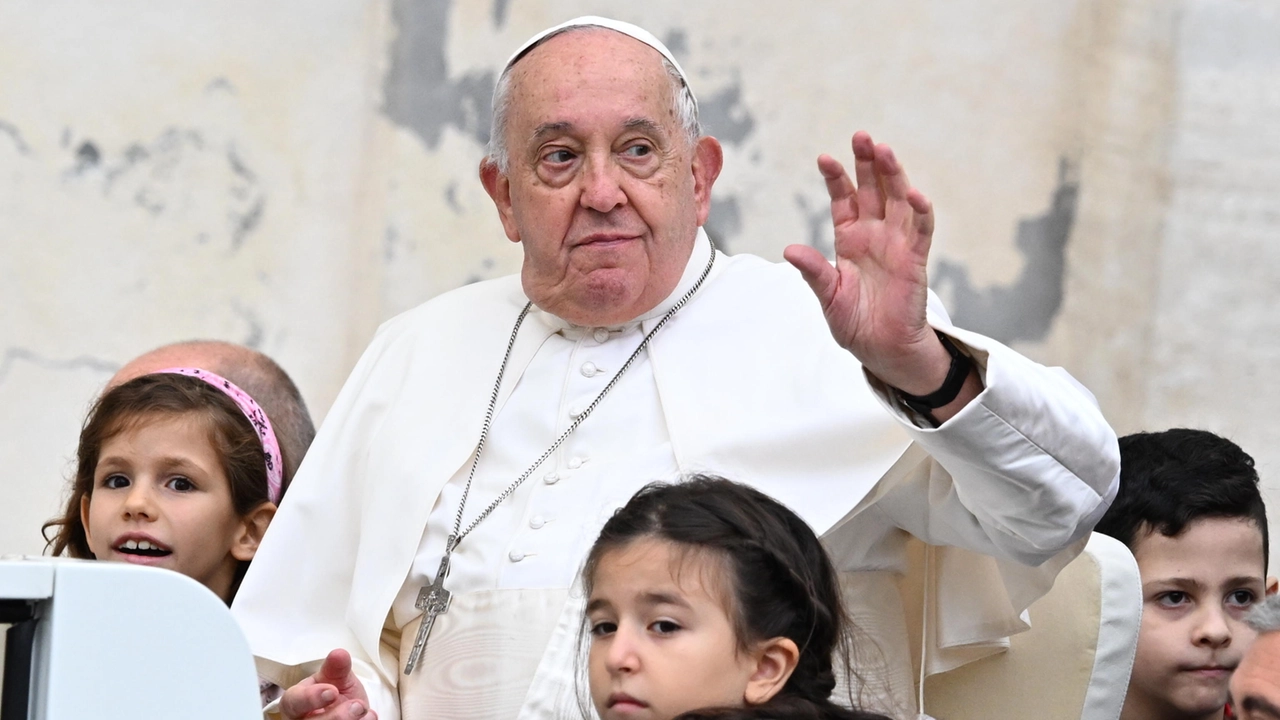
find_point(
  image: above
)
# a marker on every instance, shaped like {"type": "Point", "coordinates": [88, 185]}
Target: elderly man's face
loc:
{"type": "Point", "coordinates": [1255, 686]}
{"type": "Point", "coordinates": [603, 188]}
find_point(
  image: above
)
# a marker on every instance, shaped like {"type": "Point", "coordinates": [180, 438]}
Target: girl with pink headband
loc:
{"type": "Point", "coordinates": [179, 469]}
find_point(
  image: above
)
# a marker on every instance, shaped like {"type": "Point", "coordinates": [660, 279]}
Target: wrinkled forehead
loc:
{"type": "Point", "coordinates": [593, 22]}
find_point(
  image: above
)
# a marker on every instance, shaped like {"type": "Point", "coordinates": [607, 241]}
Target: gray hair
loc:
{"type": "Point", "coordinates": [1265, 616]}
{"type": "Point", "coordinates": [685, 106]}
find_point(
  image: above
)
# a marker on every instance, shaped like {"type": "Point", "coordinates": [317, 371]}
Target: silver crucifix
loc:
{"type": "Point", "coordinates": [433, 600]}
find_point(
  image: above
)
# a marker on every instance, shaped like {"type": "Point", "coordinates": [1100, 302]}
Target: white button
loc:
{"type": "Point", "coordinates": [536, 522]}
{"type": "Point", "coordinates": [551, 478]}
{"type": "Point", "coordinates": [589, 369]}
{"type": "Point", "coordinates": [601, 335]}
{"type": "Point", "coordinates": [575, 412]}
{"type": "Point", "coordinates": [515, 556]}
{"type": "Point", "coordinates": [575, 463]}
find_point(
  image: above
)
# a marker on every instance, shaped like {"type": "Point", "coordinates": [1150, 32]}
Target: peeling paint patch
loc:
{"type": "Point", "coordinates": [171, 176]}
{"type": "Point", "coordinates": [238, 166]}
{"type": "Point", "coordinates": [11, 131]}
{"type": "Point", "coordinates": [420, 95]}
{"type": "Point", "coordinates": [14, 355]}
{"type": "Point", "coordinates": [135, 153]}
{"type": "Point", "coordinates": [451, 198]}
{"type": "Point", "coordinates": [244, 223]}
{"type": "Point", "coordinates": [500, 8]}
{"type": "Point", "coordinates": [220, 84]}
{"type": "Point", "coordinates": [677, 42]}
{"type": "Point", "coordinates": [87, 156]}
{"type": "Point", "coordinates": [390, 243]}
{"type": "Point", "coordinates": [724, 222]}
{"type": "Point", "coordinates": [1026, 308]}
{"type": "Point", "coordinates": [725, 116]}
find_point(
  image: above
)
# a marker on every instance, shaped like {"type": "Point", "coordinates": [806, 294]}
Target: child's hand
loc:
{"type": "Point", "coordinates": [333, 693]}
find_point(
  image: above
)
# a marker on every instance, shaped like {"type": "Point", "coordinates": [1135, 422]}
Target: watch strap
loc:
{"type": "Point", "coordinates": [961, 364]}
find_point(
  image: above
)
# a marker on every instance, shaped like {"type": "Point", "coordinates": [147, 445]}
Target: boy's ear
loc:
{"type": "Point", "coordinates": [775, 661]}
{"type": "Point", "coordinates": [1273, 584]}
{"type": "Point", "coordinates": [252, 527]}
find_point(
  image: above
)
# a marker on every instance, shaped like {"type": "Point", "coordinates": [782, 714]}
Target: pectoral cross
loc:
{"type": "Point", "coordinates": [433, 600]}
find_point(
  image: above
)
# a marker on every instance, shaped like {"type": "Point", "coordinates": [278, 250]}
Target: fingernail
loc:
{"type": "Point", "coordinates": [327, 696]}
{"type": "Point", "coordinates": [357, 709]}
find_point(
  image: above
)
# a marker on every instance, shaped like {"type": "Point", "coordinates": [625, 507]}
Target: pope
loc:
{"type": "Point", "coordinates": [425, 563]}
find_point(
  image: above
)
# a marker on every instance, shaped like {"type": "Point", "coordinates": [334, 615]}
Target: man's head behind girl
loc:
{"type": "Point", "coordinates": [710, 599]}
{"type": "Point", "coordinates": [177, 469]}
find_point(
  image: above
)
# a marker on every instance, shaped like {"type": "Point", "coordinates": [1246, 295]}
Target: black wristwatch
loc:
{"type": "Point", "coordinates": [961, 364]}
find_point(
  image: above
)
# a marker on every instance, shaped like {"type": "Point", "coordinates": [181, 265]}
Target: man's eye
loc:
{"type": "Point", "coordinates": [665, 627]}
{"type": "Point", "coordinates": [638, 150]}
{"type": "Point", "coordinates": [181, 484]}
{"type": "Point", "coordinates": [1173, 599]}
{"type": "Point", "coordinates": [1241, 598]}
{"type": "Point", "coordinates": [557, 157]}
{"type": "Point", "coordinates": [601, 629]}
{"type": "Point", "coordinates": [115, 482]}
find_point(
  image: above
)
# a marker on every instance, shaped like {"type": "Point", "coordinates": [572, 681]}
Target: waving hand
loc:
{"type": "Point", "coordinates": [874, 296]}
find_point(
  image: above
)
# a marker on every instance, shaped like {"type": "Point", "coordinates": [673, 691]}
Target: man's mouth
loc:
{"type": "Point", "coordinates": [604, 239]}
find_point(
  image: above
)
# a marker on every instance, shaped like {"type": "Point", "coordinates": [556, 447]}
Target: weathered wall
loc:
{"type": "Point", "coordinates": [290, 174]}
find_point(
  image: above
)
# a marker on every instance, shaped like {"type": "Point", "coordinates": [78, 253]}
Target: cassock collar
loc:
{"type": "Point", "coordinates": [692, 269]}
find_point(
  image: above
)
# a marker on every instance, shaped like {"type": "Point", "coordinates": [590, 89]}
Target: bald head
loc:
{"type": "Point", "coordinates": [255, 373]}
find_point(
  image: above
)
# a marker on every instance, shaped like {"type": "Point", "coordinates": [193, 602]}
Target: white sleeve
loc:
{"type": "Point", "coordinates": [1023, 471]}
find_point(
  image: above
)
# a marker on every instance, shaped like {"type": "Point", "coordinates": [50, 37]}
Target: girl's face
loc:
{"type": "Point", "coordinates": [160, 497]}
{"type": "Point", "coordinates": [662, 641]}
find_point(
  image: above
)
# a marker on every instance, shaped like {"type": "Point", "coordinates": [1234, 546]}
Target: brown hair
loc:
{"type": "Point", "coordinates": [781, 584]}
{"type": "Point", "coordinates": [144, 399]}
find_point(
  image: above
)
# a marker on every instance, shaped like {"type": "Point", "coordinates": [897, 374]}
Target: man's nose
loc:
{"type": "Point", "coordinates": [601, 184]}
{"type": "Point", "coordinates": [1213, 629]}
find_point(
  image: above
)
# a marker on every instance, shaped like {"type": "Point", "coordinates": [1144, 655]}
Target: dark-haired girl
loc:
{"type": "Point", "coordinates": [710, 599]}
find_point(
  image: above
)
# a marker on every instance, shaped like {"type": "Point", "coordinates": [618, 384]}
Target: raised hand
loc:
{"type": "Point", "coordinates": [874, 296]}
{"type": "Point", "coordinates": [332, 693]}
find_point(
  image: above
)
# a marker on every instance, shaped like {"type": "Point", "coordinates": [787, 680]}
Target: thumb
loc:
{"type": "Point", "coordinates": [335, 668]}
{"type": "Point", "coordinates": [815, 269]}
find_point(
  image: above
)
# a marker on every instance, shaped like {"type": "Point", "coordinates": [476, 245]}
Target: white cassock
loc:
{"type": "Point", "coordinates": [745, 382]}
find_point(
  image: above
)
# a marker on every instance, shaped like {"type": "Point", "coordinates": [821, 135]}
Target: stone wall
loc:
{"type": "Point", "coordinates": [288, 175]}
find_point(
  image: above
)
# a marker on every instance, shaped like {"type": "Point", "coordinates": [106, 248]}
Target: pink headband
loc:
{"type": "Point", "coordinates": [257, 418]}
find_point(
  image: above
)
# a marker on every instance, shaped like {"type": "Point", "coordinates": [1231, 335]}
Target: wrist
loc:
{"type": "Point", "coordinates": [917, 368]}
{"type": "Point", "coordinates": [959, 368]}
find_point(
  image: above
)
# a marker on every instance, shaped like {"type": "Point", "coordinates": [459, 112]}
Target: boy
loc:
{"type": "Point", "coordinates": [1190, 511]}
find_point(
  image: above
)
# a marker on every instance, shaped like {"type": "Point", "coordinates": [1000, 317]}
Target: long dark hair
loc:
{"type": "Point", "coordinates": [782, 583]}
{"type": "Point", "coordinates": [146, 398]}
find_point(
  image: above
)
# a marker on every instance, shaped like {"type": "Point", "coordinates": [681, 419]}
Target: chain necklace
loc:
{"type": "Point", "coordinates": [433, 599]}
